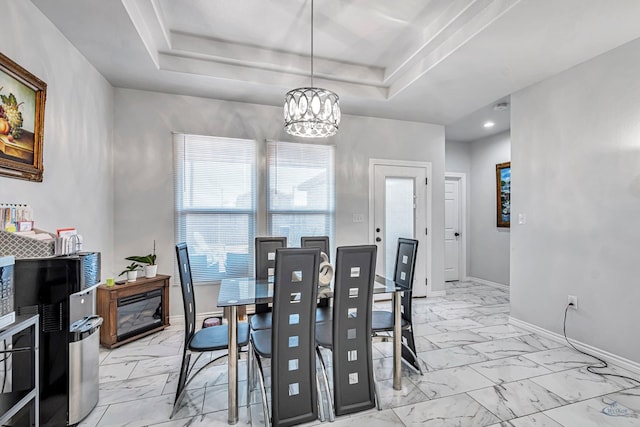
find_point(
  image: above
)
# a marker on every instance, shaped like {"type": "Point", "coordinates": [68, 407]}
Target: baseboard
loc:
{"type": "Point", "coordinates": [602, 354]}
{"type": "Point", "coordinates": [487, 282]}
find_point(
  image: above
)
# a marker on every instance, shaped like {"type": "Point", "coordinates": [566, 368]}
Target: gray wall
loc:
{"type": "Point", "coordinates": [77, 189]}
{"type": "Point", "coordinates": [457, 157]}
{"type": "Point", "coordinates": [144, 203]}
{"type": "Point", "coordinates": [489, 250]}
{"type": "Point", "coordinates": [487, 245]}
{"type": "Point", "coordinates": [576, 175]}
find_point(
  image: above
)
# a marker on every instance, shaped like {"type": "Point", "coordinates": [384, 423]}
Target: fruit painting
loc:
{"type": "Point", "coordinates": [22, 99]}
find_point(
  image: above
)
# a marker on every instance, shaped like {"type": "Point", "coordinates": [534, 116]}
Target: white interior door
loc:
{"type": "Point", "coordinates": [451, 230]}
{"type": "Point", "coordinates": [400, 210]}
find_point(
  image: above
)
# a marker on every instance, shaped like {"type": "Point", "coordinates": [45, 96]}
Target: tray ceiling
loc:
{"type": "Point", "coordinates": [434, 61]}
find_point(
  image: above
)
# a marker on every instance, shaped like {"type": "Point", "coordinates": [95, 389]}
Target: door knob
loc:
{"type": "Point", "coordinates": [456, 234]}
{"type": "Point", "coordinates": [378, 239]}
{"type": "Point", "coordinates": [378, 230]}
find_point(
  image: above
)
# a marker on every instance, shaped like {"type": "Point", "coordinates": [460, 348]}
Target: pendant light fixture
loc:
{"type": "Point", "coordinates": [311, 112]}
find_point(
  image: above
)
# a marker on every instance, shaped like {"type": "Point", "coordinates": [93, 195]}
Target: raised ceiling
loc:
{"type": "Point", "coordinates": [434, 61]}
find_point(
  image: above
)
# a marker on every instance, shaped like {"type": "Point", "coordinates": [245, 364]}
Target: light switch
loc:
{"type": "Point", "coordinates": [522, 218]}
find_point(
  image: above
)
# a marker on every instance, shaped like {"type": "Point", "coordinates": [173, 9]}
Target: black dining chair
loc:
{"type": "Point", "coordinates": [265, 253]}
{"type": "Point", "coordinates": [290, 343]}
{"type": "Point", "coordinates": [209, 339]}
{"type": "Point", "coordinates": [348, 334]}
{"type": "Point", "coordinates": [322, 242]}
{"type": "Point", "coordinates": [382, 321]}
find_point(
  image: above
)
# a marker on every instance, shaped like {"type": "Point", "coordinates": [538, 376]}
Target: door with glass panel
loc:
{"type": "Point", "coordinates": [400, 210]}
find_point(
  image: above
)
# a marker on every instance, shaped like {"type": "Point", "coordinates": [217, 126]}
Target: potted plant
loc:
{"type": "Point", "coordinates": [132, 271]}
{"type": "Point", "coordinates": [150, 268]}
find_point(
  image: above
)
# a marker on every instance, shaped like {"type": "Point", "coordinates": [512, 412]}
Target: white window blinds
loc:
{"type": "Point", "coordinates": [301, 190]}
{"type": "Point", "coordinates": [215, 204]}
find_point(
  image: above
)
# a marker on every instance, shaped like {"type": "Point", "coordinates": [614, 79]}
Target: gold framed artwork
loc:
{"type": "Point", "coordinates": [22, 99]}
{"type": "Point", "coordinates": [503, 194]}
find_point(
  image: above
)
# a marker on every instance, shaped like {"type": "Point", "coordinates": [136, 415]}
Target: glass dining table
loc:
{"type": "Point", "coordinates": [241, 292]}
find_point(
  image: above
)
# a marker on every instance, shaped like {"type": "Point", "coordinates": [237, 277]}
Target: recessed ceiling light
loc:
{"type": "Point", "coordinates": [489, 124]}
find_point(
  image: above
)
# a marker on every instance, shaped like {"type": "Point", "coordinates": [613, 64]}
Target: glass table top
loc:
{"type": "Point", "coordinates": [382, 285]}
{"type": "Point", "coordinates": [247, 290]}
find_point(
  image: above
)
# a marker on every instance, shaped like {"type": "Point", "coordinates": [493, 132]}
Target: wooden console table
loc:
{"type": "Point", "coordinates": [107, 306]}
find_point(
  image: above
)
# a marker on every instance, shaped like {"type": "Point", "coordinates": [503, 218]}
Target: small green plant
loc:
{"type": "Point", "coordinates": [146, 259]}
{"type": "Point", "coordinates": [134, 266]}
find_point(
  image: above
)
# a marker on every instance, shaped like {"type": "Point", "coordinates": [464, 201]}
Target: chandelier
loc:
{"type": "Point", "coordinates": [311, 112]}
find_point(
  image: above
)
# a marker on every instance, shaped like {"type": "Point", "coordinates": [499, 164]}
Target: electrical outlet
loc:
{"type": "Point", "coordinates": [572, 299]}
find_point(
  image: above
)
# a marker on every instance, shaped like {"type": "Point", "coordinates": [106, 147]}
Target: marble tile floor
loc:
{"type": "Point", "coordinates": [479, 371]}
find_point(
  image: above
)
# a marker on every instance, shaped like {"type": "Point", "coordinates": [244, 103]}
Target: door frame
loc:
{"type": "Point", "coordinates": [462, 220]}
{"type": "Point", "coordinates": [428, 208]}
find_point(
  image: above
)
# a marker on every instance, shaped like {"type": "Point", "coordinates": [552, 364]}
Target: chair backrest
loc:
{"type": "Point", "coordinates": [265, 252]}
{"type": "Point", "coordinates": [404, 269]}
{"type": "Point", "coordinates": [321, 242]}
{"type": "Point", "coordinates": [188, 298]}
{"type": "Point", "coordinates": [352, 301]}
{"type": "Point", "coordinates": [293, 339]}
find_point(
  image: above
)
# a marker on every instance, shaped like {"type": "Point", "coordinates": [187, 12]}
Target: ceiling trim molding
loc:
{"type": "Point", "coordinates": [217, 58]}
{"type": "Point", "coordinates": [160, 16]}
{"type": "Point", "coordinates": [151, 31]}
{"type": "Point", "coordinates": [430, 56]}
{"type": "Point", "coordinates": [278, 78]}
{"type": "Point", "coordinates": [225, 52]}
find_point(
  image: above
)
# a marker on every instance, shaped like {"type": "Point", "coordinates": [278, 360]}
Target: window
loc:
{"type": "Point", "coordinates": [301, 197]}
{"type": "Point", "coordinates": [215, 211]}
{"type": "Point", "coordinates": [216, 199]}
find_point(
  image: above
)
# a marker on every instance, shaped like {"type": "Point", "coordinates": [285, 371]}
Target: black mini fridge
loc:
{"type": "Point", "coordinates": [62, 291]}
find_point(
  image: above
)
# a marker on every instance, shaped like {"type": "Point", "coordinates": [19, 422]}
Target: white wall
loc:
{"type": "Point", "coordinates": [458, 160]}
{"type": "Point", "coordinates": [489, 249]}
{"type": "Point", "coordinates": [77, 189]}
{"type": "Point", "coordinates": [144, 169]}
{"type": "Point", "coordinates": [576, 175]}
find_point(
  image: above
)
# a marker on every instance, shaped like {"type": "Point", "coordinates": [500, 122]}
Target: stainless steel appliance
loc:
{"type": "Point", "coordinates": [84, 341]}
{"type": "Point", "coordinates": [63, 291]}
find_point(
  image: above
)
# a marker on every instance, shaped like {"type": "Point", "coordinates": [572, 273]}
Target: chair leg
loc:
{"type": "Point", "coordinates": [182, 381]}
{"type": "Point", "coordinates": [376, 391]}
{"type": "Point", "coordinates": [410, 346]}
{"type": "Point", "coordinates": [320, 405]}
{"type": "Point", "coordinates": [325, 380]}
{"type": "Point", "coordinates": [250, 382]}
{"type": "Point", "coordinates": [265, 407]}
{"type": "Point", "coordinates": [417, 367]}
{"type": "Point", "coordinates": [249, 350]}
{"type": "Point", "coordinates": [186, 376]}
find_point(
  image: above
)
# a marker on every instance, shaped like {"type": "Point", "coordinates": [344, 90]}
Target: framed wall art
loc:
{"type": "Point", "coordinates": [22, 98]}
{"type": "Point", "coordinates": [503, 194]}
